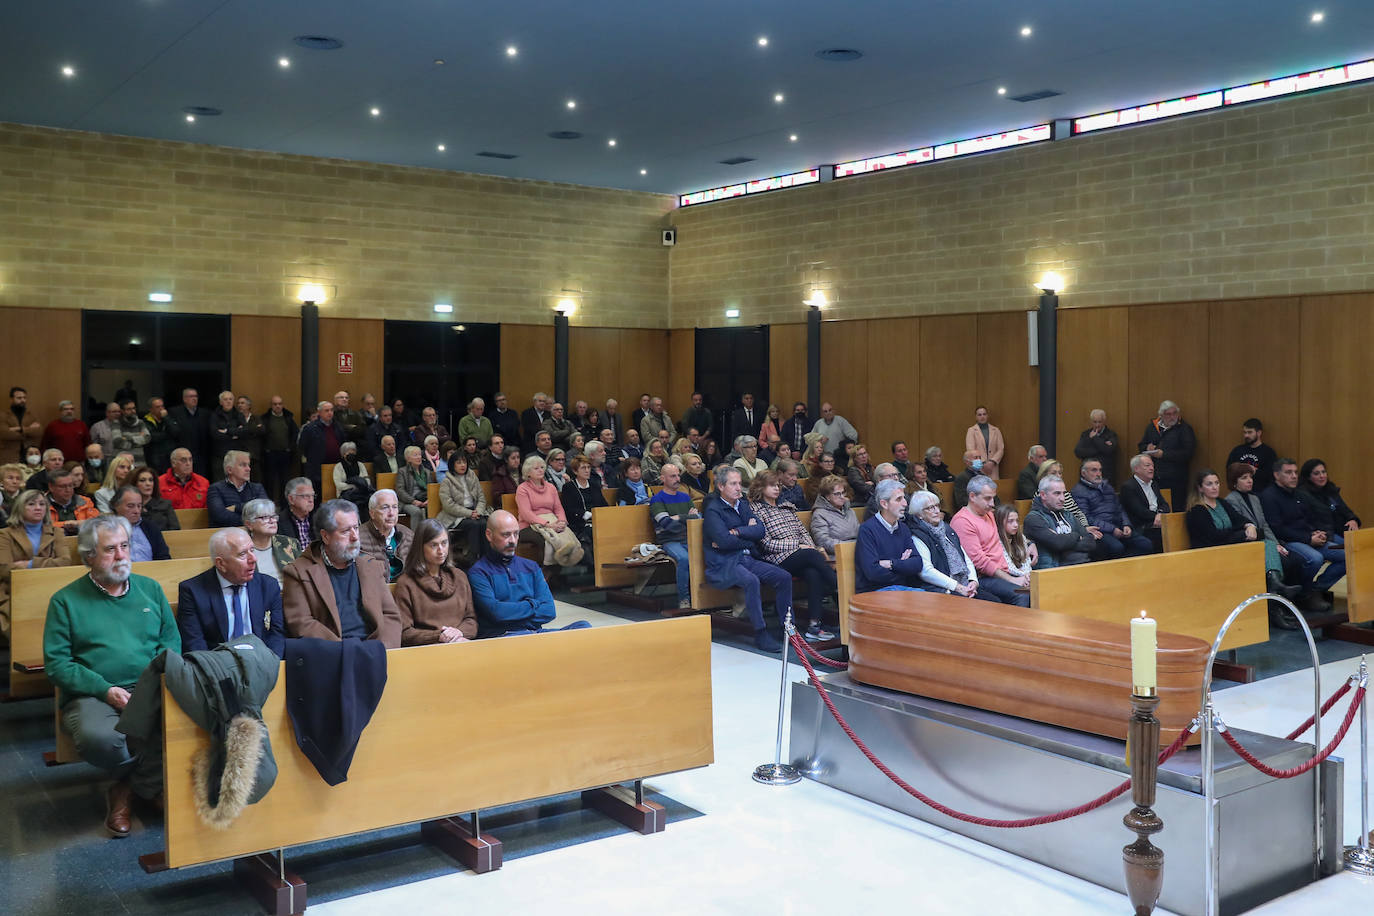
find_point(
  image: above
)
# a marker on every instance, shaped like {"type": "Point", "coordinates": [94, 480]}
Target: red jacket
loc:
{"type": "Point", "coordinates": [69, 438]}
{"type": "Point", "coordinates": [191, 495]}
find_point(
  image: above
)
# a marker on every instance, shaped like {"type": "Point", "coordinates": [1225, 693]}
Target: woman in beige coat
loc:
{"type": "Point", "coordinates": [985, 439]}
{"type": "Point", "coordinates": [29, 541]}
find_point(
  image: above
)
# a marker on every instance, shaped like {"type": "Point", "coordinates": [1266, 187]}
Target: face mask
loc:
{"type": "Point", "coordinates": [977, 464]}
{"type": "Point", "coordinates": [94, 462]}
{"type": "Point", "coordinates": [34, 459]}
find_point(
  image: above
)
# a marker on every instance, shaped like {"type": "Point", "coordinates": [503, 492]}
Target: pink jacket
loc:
{"type": "Point", "coordinates": [996, 447]}
{"type": "Point", "coordinates": [533, 503]}
{"type": "Point", "coordinates": [978, 536]}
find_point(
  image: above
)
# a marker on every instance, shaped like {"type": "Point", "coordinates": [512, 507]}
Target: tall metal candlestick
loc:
{"type": "Point", "coordinates": [1144, 861]}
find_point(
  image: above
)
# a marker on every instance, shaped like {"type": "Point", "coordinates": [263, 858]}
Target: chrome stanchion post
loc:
{"type": "Point", "coordinates": [1211, 863]}
{"type": "Point", "coordinates": [1360, 858]}
{"type": "Point", "coordinates": [778, 773]}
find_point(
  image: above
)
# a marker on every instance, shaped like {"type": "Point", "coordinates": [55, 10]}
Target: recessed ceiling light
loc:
{"type": "Point", "coordinates": [610, 142]}
{"type": "Point", "coordinates": [441, 147]}
{"type": "Point", "coordinates": [1025, 31]}
{"type": "Point", "coordinates": [777, 96]}
{"type": "Point", "coordinates": [793, 138]}
{"type": "Point", "coordinates": [1318, 16]}
{"type": "Point", "coordinates": [512, 50]}
{"type": "Point", "coordinates": [1001, 90]}
{"type": "Point", "coordinates": [643, 171]}
{"type": "Point", "coordinates": [572, 103]}
{"type": "Point", "coordinates": [438, 61]}
{"type": "Point", "coordinates": [763, 41]}
{"type": "Point", "coordinates": [190, 119]}
{"type": "Point", "coordinates": [69, 71]}
{"type": "Point", "coordinates": [376, 112]}
{"type": "Point", "coordinates": [283, 62]}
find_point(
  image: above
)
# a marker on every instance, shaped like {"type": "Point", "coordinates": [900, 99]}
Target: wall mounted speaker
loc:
{"type": "Point", "coordinates": [670, 237]}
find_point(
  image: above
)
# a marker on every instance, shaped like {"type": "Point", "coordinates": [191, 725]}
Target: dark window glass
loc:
{"type": "Point", "coordinates": [195, 338]}
{"type": "Point", "coordinates": [120, 335]}
{"type": "Point", "coordinates": [730, 362]}
{"type": "Point", "coordinates": [429, 364]}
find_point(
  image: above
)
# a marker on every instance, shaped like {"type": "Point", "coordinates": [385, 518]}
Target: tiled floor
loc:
{"type": "Point", "coordinates": [754, 849]}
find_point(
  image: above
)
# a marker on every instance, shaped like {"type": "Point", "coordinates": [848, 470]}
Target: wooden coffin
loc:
{"type": "Point", "coordinates": [1039, 665]}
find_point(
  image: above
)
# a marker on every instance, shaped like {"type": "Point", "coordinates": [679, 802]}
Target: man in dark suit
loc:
{"type": "Point", "coordinates": [747, 419]}
{"type": "Point", "coordinates": [319, 442]}
{"type": "Point", "coordinates": [613, 421]}
{"type": "Point", "coordinates": [188, 427]}
{"type": "Point", "coordinates": [640, 411]}
{"type": "Point", "coordinates": [504, 420]}
{"type": "Point", "coordinates": [1143, 501]}
{"type": "Point", "coordinates": [532, 421]}
{"type": "Point", "coordinates": [230, 600]}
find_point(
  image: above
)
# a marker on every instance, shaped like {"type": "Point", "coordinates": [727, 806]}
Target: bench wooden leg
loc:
{"type": "Point", "coordinates": [1233, 671]}
{"type": "Point", "coordinates": [466, 843]}
{"type": "Point", "coordinates": [280, 892]}
{"type": "Point", "coordinates": [628, 806]}
{"type": "Point", "coordinates": [1349, 632]}
{"type": "Point", "coordinates": [50, 759]}
{"type": "Point", "coordinates": [153, 862]}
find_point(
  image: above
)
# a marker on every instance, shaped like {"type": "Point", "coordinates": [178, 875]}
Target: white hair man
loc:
{"type": "Point", "coordinates": [102, 630]}
{"type": "Point", "coordinates": [476, 425]}
{"type": "Point", "coordinates": [1061, 539]}
{"type": "Point", "coordinates": [381, 538]}
{"type": "Point", "coordinates": [227, 497]}
{"type": "Point", "coordinates": [230, 599]}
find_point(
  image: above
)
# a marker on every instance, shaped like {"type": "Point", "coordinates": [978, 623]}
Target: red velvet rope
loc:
{"type": "Point", "coordinates": [1303, 768]}
{"type": "Point", "coordinates": [958, 815]}
{"type": "Point", "coordinates": [818, 656]}
{"type": "Point", "coordinates": [1326, 707]}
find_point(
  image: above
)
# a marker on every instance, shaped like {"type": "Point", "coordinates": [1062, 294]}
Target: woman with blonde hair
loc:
{"type": "Point", "coordinates": [28, 541]}
{"type": "Point", "coordinates": [541, 516]}
{"type": "Point", "coordinates": [772, 425]}
{"type": "Point", "coordinates": [119, 474]}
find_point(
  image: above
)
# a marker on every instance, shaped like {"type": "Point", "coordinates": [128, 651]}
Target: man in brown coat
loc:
{"type": "Point", "coordinates": [332, 592]}
{"type": "Point", "coordinates": [19, 429]}
{"type": "Point", "coordinates": [381, 538]}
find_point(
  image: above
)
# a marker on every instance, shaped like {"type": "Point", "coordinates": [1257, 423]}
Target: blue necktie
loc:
{"type": "Point", "coordinates": [239, 618]}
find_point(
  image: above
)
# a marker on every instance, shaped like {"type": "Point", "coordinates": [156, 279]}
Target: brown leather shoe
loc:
{"type": "Point", "coordinates": [117, 814]}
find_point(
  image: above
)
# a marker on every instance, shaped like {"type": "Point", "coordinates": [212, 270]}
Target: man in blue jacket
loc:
{"type": "Point", "coordinates": [885, 558]}
{"type": "Point", "coordinates": [1284, 510]}
{"type": "Point", "coordinates": [729, 530]}
{"type": "Point", "coordinates": [230, 600]}
{"type": "Point", "coordinates": [1099, 503]}
{"type": "Point", "coordinates": [509, 592]}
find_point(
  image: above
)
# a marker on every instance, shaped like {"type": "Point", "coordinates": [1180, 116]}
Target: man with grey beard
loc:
{"type": "Point", "coordinates": [102, 631]}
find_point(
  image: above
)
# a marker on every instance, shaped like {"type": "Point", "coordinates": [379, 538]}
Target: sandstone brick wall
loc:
{"type": "Point", "coordinates": [99, 221]}
{"type": "Point", "coordinates": [1267, 199]}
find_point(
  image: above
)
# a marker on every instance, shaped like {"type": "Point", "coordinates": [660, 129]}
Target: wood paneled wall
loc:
{"type": "Point", "coordinates": [526, 362]}
{"type": "Point", "coordinates": [618, 363]}
{"type": "Point", "coordinates": [266, 360]}
{"type": "Point", "coordinates": [682, 369]}
{"type": "Point", "coordinates": [41, 356]}
{"type": "Point", "coordinates": [786, 366]}
{"type": "Point", "coordinates": [366, 340]}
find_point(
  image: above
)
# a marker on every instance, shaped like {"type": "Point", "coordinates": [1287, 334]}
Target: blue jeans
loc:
{"type": "Point", "coordinates": [678, 551]}
{"type": "Point", "coordinates": [1003, 591]}
{"type": "Point", "coordinates": [1312, 560]}
{"type": "Point", "coordinates": [749, 575]}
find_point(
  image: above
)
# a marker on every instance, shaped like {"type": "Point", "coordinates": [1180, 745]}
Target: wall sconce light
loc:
{"type": "Point", "coordinates": [312, 294]}
{"type": "Point", "coordinates": [159, 297]}
{"type": "Point", "coordinates": [732, 313]}
{"type": "Point", "coordinates": [565, 307]}
{"type": "Point", "coordinates": [1051, 282]}
{"type": "Point", "coordinates": [443, 308]}
{"type": "Point", "coordinates": [818, 299]}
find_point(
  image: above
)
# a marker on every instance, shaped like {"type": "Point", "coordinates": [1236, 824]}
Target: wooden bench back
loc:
{"type": "Point", "coordinates": [945, 490]}
{"type": "Point", "coordinates": [32, 589]}
{"type": "Point", "coordinates": [844, 577]}
{"type": "Point", "coordinates": [615, 530]}
{"type": "Point", "coordinates": [1359, 582]}
{"type": "Point", "coordinates": [386, 481]}
{"type": "Point", "coordinates": [619, 703]}
{"type": "Point", "coordinates": [1189, 592]}
{"type": "Point", "coordinates": [193, 518]}
{"type": "Point", "coordinates": [486, 492]}
{"type": "Point", "coordinates": [1023, 506]}
{"type": "Point", "coordinates": [1006, 489]}
{"type": "Point", "coordinates": [432, 501]}
{"type": "Point", "coordinates": [194, 542]}
{"type": "Point", "coordinates": [704, 597]}
{"type": "Point", "coordinates": [1174, 530]}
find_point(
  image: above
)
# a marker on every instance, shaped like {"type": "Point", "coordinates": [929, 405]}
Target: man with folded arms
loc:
{"type": "Point", "coordinates": [102, 630]}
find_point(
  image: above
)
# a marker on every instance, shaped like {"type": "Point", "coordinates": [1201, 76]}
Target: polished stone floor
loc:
{"type": "Point", "coordinates": [731, 846]}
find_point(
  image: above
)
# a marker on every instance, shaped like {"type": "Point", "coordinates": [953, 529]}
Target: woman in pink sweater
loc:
{"type": "Point", "coordinates": [537, 497]}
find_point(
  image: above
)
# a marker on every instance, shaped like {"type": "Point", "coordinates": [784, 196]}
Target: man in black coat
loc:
{"type": "Point", "coordinates": [747, 419]}
{"type": "Point", "coordinates": [1170, 441]}
{"type": "Point", "coordinates": [188, 427]}
{"type": "Point", "coordinates": [1143, 501]}
{"type": "Point", "coordinates": [503, 420]}
{"type": "Point", "coordinates": [794, 430]}
{"type": "Point", "coordinates": [384, 425]}
{"type": "Point", "coordinates": [1100, 442]}
{"type": "Point", "coordinates": [697, 417]}
{"type": "Point", "coordinates": [532, 422]}
{"type": "Point", "coordinates": [278, 445]}
{"type": "Point", "coordinates": [319, 443]}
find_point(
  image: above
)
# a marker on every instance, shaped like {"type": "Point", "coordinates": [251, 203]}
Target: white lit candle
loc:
{"type": "Point", "coordinates": [1143, 645]}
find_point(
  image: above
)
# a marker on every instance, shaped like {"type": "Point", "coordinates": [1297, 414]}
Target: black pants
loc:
{"type": "Point", "coordinates": [812, 568]}
{"type": "Point", "coordinates": [276, 473]}
{"type": "Point", "coordinates": [467, 533]}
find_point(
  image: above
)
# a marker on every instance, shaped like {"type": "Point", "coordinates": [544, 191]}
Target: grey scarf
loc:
{"type": "Point", "coordinates": [953, 555]}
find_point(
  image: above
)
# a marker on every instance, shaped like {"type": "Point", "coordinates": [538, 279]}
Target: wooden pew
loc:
{"type": "Point", "coordinates": [1006, 489]}
{"type": "Point", "coordinates": [844, 577]}
{"type": "Point", "coordinates": [486, 493]}
{"type": "Point", "coordinates": [193, 518]}
{"type": "Point", "coordinates": [945, 491]}
{"type": "Point", "coordinates": [1359, 582]}
{"type": "Point", "coordinates": [615, 531]}
{"type": "Point", "coordinates": [386, 481]}
{"type": "Point", "coordinates": [620, 703]}
{"type": "Point", "coordinates": [192, 543]}
{"type": "Point", "coordinates": [31, 590]}
{"type": "Point", "coordinates": [1189, 592]}
{"type": "Point", "coordinates": [1023, 506]}
{"type": "Point", "coordinates": [432, 501]}
{"type": "Point", "coordinates": [1174, 531]}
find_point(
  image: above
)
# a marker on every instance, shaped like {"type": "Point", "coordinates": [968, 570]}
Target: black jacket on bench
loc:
{"type": "Point", "coordinates": [332, 689]}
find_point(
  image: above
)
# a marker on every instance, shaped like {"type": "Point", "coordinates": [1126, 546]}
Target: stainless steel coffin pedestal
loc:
{"type": "Point", "coordinates": [998, 766]}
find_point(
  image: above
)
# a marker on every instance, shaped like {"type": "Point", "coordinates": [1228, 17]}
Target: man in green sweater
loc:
{"type": "Point", "coordinates": [102, 631]}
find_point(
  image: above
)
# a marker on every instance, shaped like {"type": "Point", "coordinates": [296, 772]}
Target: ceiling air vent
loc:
{"type": "Point", "coordinates": [839, 55]}
{"type": "Point", "coordinates": [491, 155]}
{"type": "Point", "coordinates": [737, 160]}
{"type": "Point", "coordinates": [318, 42]}
{"type": "Point", "coordinates": [565, 135]}
{"type": "Point", "coordinates": [1036, 96]}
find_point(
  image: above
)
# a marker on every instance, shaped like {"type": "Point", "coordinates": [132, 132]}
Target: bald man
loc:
{"type": "Point", "coordinates": [509, 592]}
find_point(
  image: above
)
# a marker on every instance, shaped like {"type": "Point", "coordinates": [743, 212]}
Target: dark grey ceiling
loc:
{"type": "Point", "coordinates": [679, 86]}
